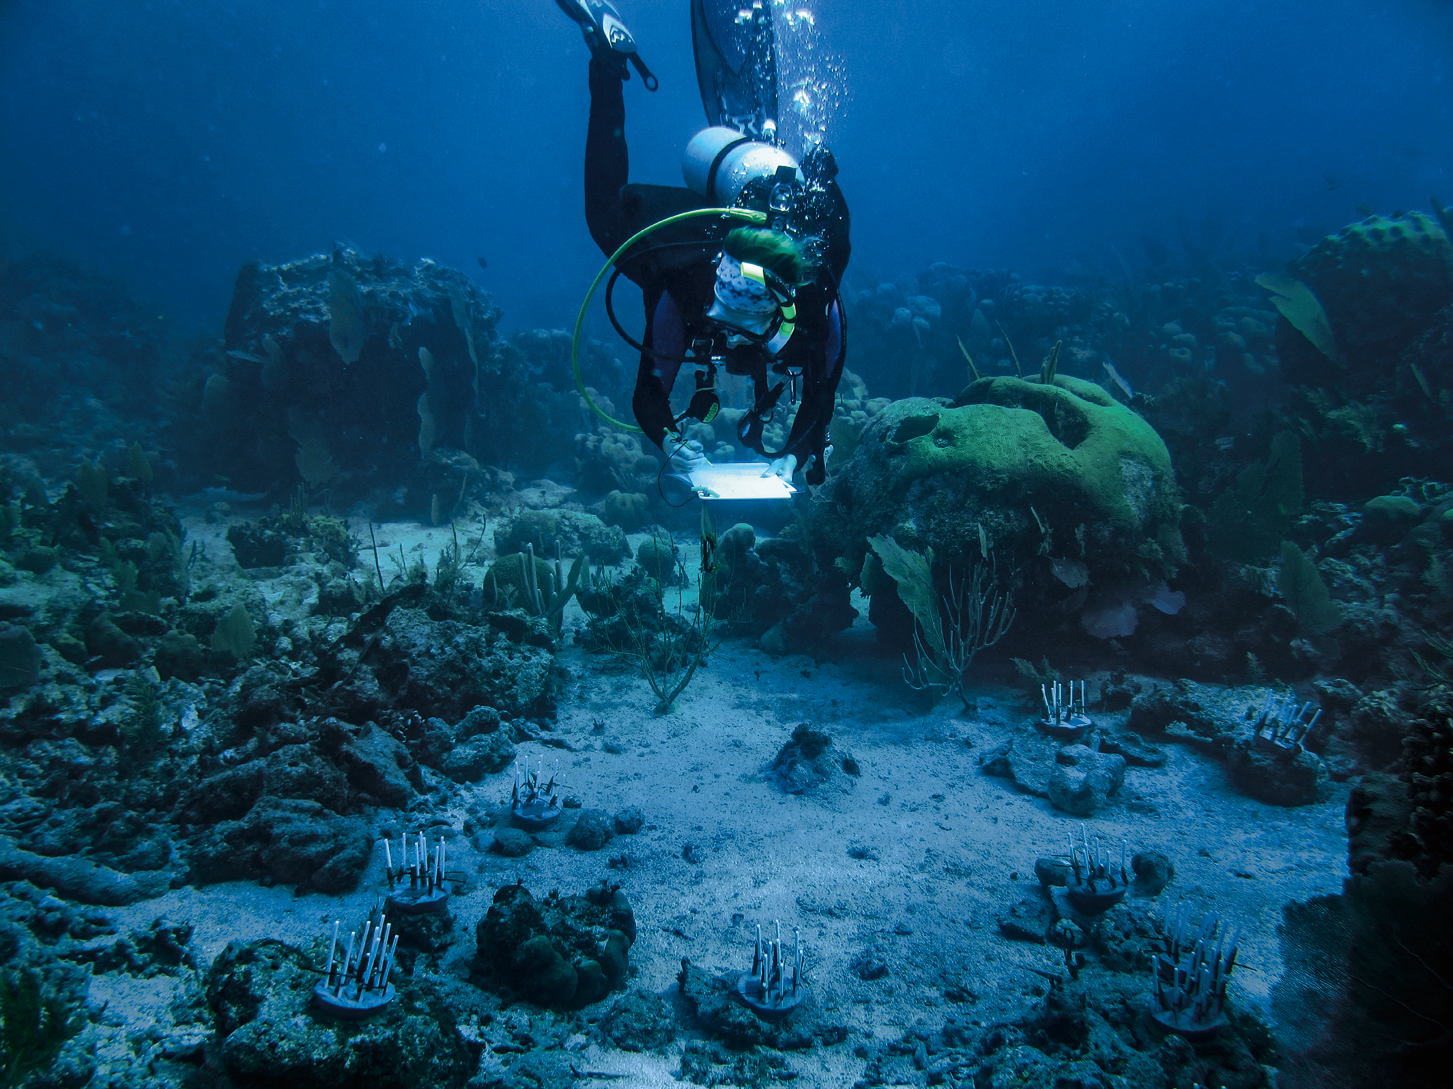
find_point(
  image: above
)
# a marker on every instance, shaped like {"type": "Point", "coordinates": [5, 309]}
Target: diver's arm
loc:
{"type": "Point", "coordinates": [652, 404]}
{"type": "Point", "coordinates": [808, 436]}
{"type": "Point", "coordinates": [809, 429]}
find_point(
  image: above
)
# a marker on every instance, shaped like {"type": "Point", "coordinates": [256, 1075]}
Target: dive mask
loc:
{"type": "Point", "coordinates": [753, 302]}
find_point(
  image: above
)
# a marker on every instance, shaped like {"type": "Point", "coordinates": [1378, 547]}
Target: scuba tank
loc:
{"type": "Point", "coordinates": [721, 162]}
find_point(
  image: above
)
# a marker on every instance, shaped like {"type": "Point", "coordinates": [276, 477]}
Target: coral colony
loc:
{"type": "Point", "coordinates": [1064, 713]}
{"type": "Point", "coordinates": [1284, 724]}
{"type": "Point", "coordinates": [533, 806]}
{"type": "Point", "coordinates": [357, 987]}
{"type": "Point", "coordinates": [1191, 976]}
{"type": "Point", "coordinates": [774, 987]}
{"type": "Point", "coordinates": [427, 890]}
{"type": "Point", "coordinates": [1096, 884]}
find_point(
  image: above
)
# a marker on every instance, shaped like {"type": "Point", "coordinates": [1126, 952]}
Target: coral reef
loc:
{"type": "Point", "coordinates": [1238, 536]}
{"type": "Point", "coordinates": [361, 376]}
{"type": "Point", "coordinates": [1068, 486]}
{"type": "Point", "coordinates": [561, 952]}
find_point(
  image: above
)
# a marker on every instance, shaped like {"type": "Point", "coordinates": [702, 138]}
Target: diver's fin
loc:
{"type": "Point", "coordinates": [736, 64]}
{"type": "Point", "coordinates": [608, 36]}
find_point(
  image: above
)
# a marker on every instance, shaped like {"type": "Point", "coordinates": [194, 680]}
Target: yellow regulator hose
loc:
{"type": "Point", "coordinates": [745, 214]}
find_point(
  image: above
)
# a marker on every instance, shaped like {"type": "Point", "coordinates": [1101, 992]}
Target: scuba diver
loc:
{"type": "Point", "coordinates": [758, 301]}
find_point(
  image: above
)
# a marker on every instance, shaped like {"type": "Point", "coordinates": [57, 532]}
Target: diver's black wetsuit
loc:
{"type": "Point", "coordinates": [675, 270]}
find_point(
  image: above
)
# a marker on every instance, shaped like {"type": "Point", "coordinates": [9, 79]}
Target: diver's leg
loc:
{"type": "Point", "coordinates": [607, 162]}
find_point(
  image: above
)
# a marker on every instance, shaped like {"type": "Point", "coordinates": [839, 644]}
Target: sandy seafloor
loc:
{"type": "Point", "coordinates": [948, 848]}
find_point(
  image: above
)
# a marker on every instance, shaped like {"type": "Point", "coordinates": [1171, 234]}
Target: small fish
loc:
{"type": "Point", "coordinates": [482, 262]}
{"type": "Point", "coordinates": [708, 542]}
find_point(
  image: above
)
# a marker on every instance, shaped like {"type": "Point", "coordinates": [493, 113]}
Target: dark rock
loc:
{"type": "Point", "coordinates": [560, 952]}
{"type": "Point", "coordinates": [296, 771]}
{"type": "Point", "coordinates": [263, 703]}
{"type": "Point", "coordinates": [472, 760]}
{"type": "Point", "coordinates": [1026, 759]}
{"type": "Point", "coordinates": [1278, 778]}
{"type": "Point", "coordinates": [1052, 872]}
{"type": "Point", "coordinates": [511, 842]}
{"type": "Point", "coordinates": [641, 1021]}
{"type": "Point", "coordinates": [378, 763]}
{"type": "Point", "coordinates": [592, 830]}
{"type": "Point", "coordinates": [1029, 919]}
{"type": "Point", "coordinates": [160, 950]}
{"type": "Point", "coordinates": [1117, 692]}
{"type": "Point", "coordinates": [227, 795]}
{"type": "Point", "coordinates": [287, 841]}
{"type": "Point", "coordinates": [710, 999]}
{"type": "Point", "coordinates": [622, 917]}
{"type": "Point", "coordinates": [827, 611]}
{"type": "Point", "coordinates": [1138, 753]}
{"type": "Point", "coordinates": [179, 654]}
{"type": "Point", "coordinates": [772, 588]}
{"type": "Point", "coordinates": [37, 559]}
{"type": "Point", "coordinates": [430, 740]}
{"type": "Point", "coordinates": [153, 853]}
{"type": "Point", "coordinates": [445, 668]}
{"type": "Point", "coordinates": [1378, 726]}
{"type": "Point", "coordinates": [79, 879]}
{"type": "Point", "coordinates": [108, 643]}
{"type": "Point", "coordinates": [710, 1062]}
{"type": "Point", "coordinates": [628, 821]}
{"type": "Point", "coordinates": [869, 964]}
{"type": "Point", "coordinates": [1154, 711]}
{"type": "Point", "coordinates": [167, 946]}
{"type": "Point", "coordinates": [20, 658]}
{"type": "Point", "coordinates": [432, 932]}
{"type": "Point", "coordinates": [1153, 872]}
{"type": "Point", "coordinates": [1337, 695]}
{"type": "Point", "coordinates": [480, 720]}
{"type": "Point", "coordinates": [573, 532]}
{"type": "Point", "coordinates": [255, 545]}
{"type": "Point", "coordinates": [1065, 934]}
{"type": "Point", "coordinates": [338, 597]}
{"type": "Point", "coordinates": [811, 760]}
{"type": "Point", "coordinates": [1378, 812]}
{"type": "Point", "coordinates": [1428, 751]}
{"type": "Point", "coordinates": [70, 648]}
{"type": "Point", "coordinates": [1127, 938]}
{"type": "Point", "coordinates": [1083, 780]}
{"type": "Point", "coordinates": [261, 996]}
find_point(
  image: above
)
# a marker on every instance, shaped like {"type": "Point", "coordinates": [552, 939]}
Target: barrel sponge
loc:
{"type": "Point", "coordinates": [1056, 468]}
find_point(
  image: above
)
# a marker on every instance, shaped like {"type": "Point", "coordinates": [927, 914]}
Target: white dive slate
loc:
{"type": "Point", "coordinates": [739, 480]}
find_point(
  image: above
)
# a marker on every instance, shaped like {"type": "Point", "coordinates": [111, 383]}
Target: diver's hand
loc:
{"type": "Point", "coordinates": [684, 456]}
{"type": "Point", "coordinates": [783, 467]}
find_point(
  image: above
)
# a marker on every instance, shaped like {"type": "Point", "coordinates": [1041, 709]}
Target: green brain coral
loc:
{"type": "Point", "coordinates": [1056, 469]}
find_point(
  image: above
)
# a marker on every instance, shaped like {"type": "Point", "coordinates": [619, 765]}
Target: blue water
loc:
{"type": "Point", "coordinates": [171, 141]}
